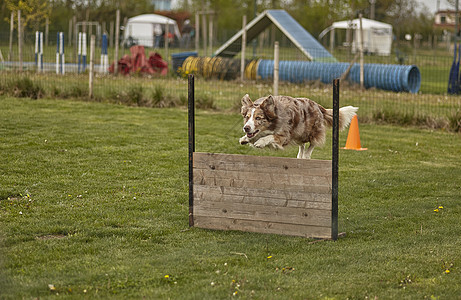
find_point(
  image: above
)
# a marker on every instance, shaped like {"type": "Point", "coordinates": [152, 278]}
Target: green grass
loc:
{"type": "Point", "coordinates": [94, 200]}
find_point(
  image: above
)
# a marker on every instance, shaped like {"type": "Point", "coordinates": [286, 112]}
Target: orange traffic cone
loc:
{"type": "Point", "coordinates": [353, 138]}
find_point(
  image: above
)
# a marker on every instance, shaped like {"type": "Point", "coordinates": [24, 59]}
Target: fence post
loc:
{"type": "Point", "coordinates": [70, 33]}
{"type": "Point", "coordinates": [92, 45]}
{"type": "Point", "coordinates": [79, 51]}
{"type": "Point", "coordinates": [276, 69]}
{"type": "Point", "coordinates": [204, 34]}
{"type": "Point", "coordinates": [197, 31]}
{"type": "Point", "coordinates": [244, 42]}
{"type": "Point", "coordinates": [37, 38]}
{"type": "Point", "coordinates": [57, 52]}
{"type": "Point", "coordinates": [47, 31]}
{"type": "Point", "coordinates": [10, 56]}
{"type": "Point", "coordinates": [191, 127]}
{"type": "Point", "coordinates": [335, 160]}
{"type": "Point", "coordinates": [166, 38]}
{"type": "Point", "coordinates": [361, 53]}
{"type": "Point", "coordinates": [210, 33]}
{"type": "Point", "coordinates": [20, 40]}
{"type": "Point", "coordinates": [75, 36]}
{"type": "Point", "coordinates": [61, 52]}
{"type": "Point", "coordinates": [117, 33]}
{"type": "Point", "coordinates": [40, 53]}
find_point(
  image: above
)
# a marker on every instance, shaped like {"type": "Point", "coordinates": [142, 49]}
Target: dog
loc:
{"type": "Point", "coordinates": [278, 121]}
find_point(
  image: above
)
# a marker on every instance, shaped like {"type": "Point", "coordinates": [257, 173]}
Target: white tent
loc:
{"type": "Point", "coordinates": [140, 29]}
{"type": "Point", "coordinates": [377, 36]}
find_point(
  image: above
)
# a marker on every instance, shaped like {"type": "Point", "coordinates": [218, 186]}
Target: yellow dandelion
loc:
{"type": "Point", "coordinates": [269, 257]}
{"type": "Point", "coordinates": [436, 210]}
{"type": "Point", "coordinates": [167, 276]}
{"type": "Point", "coordinates": [447, 271]}
{"type": "Point", "coordinates": [440, 207]}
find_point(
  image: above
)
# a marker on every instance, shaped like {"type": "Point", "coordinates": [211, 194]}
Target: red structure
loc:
{"type": "Point", "coordinates": [138, 63]}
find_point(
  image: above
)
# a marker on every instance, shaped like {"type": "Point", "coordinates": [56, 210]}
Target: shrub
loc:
{"type": "Point", "coordinates": [135, 95]}
{"type": "Point", "coordinates": [26, 88]}
{"type": "Point", "coordinates": [205, 102]}
{"type": "Point", "coordinates": [454, 121]}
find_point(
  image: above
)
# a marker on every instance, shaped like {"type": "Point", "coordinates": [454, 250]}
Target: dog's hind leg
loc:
{"type": "Point", "coordinates": [301, 151]}
{"type": "Point", "coordinates": [308, 152]}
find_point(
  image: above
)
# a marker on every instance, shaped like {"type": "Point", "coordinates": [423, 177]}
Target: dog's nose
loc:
{"type": "Point", "coordinates": [246, 128]}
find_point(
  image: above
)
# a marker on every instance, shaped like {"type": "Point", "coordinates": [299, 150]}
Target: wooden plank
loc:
{"type": "Point", "coordinates": [262, 227]}
{"type": "Point", "coordinates": [256, 178]}
{"type": "Point", "coordinates": [206, 194]}
{"type": "Point", "coordinates": [254, 183]}
{"type": "Point", "coordinates": [277, 165]}
{"type": "Point", "coordinates": [243, 211]}
{"type": "Point", "coordinates": [314, 196]}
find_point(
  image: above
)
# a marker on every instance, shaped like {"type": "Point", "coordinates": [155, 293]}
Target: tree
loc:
{"type": "Point", "coordinates": [33, 12]}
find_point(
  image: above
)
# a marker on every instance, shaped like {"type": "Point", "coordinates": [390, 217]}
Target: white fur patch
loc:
{"type": "Point", "coordinates": [251, 121]}
{"type": "Point", "coordinates": [347, 113]}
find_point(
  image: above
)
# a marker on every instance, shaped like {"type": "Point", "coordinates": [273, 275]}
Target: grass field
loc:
{"type": "Point", "coordinates": [93, 204]}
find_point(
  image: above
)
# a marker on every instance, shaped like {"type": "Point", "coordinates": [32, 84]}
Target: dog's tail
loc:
{"type": "Point", "coordinates": [346, 114]}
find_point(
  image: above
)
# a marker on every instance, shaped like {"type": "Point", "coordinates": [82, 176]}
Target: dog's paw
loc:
{"type": "Point", "coordinates": [244, 140]}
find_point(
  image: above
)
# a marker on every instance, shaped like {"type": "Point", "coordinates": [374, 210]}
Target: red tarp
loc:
{"type": "Point", "coordinates": [137, 63]}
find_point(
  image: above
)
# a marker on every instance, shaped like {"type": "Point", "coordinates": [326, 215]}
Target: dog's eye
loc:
{"type": "Point", "coordinates": [258, 118]}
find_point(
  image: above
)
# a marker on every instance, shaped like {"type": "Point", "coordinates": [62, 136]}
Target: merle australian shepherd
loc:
{"type": "Point", "coordinates": [278, 121]}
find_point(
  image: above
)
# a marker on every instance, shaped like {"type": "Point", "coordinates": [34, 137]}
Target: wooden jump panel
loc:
{"type": "Point", "coordinates": [263, 194]}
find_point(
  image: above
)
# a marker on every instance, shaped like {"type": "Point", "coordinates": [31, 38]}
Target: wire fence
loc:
{"type": "Point", "coordinates": [407, 87]}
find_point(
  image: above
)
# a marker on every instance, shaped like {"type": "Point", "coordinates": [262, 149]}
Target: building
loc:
{"type": "Point", "coordinates": [446, 19]}
{"type": "Point", "coordinates": [162, 5]}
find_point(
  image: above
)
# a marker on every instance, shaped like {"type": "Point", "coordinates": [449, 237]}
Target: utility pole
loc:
{"type": "Point", "coordinates": [361, 53]}
{"type": "Point", "coordinates": [457, 21]}
{"type": "Point", "coordinates": [255, 9]}
{"type": "Point", "coordinates": [244, 41]}
{"type": "Point", "coordinates": [372, 9]}
{"type": "Point", "coordinates": [117, 42]}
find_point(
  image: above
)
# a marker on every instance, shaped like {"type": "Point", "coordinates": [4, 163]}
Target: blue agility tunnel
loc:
{"type": "Point", "coordinates": [397, 78]}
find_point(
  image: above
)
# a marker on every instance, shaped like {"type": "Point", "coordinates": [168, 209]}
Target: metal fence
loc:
{"type": "Point", "coordinates": [409, 86]}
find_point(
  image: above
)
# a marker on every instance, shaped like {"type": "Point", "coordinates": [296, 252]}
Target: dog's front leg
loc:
{"type": "Point", "coordinates": [264, 141]}
{"type": "Point", "coordinates": [268, 140]}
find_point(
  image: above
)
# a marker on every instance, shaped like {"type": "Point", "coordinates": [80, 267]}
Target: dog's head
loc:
{"type": "Point", "coordinates": [258, 116]}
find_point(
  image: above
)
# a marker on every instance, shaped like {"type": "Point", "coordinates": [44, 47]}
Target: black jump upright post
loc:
{"type": "Point", "coordinates": [191, 113]}
{"type": "Point", "coordinates": [335, 159]}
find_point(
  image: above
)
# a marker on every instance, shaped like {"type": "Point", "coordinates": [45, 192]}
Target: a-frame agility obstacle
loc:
{"type": "Point", "coordinates": [287, 196]}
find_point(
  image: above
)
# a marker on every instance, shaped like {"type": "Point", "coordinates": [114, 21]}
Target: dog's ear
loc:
{"type": "Point", "coordinates": [268, 106]}
{"type": "Point", "coordinates": [246, 104]}
{"type": "Point", "coordinates": [246, 101]}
